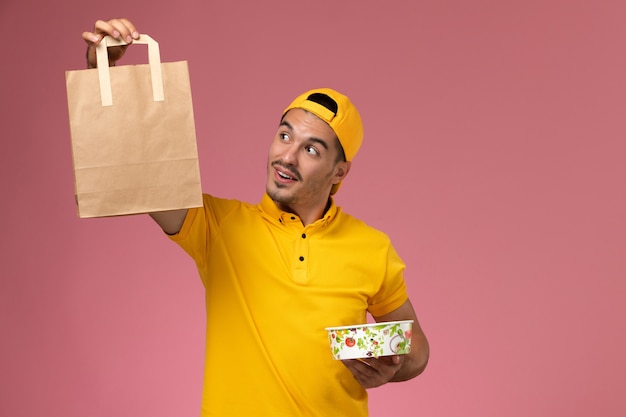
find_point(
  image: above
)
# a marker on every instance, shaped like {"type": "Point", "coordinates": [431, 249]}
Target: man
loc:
{"type": "Point", "coordinates": [278, 272]}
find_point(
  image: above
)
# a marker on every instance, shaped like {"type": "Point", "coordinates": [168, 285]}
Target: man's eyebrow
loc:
{"type": "Point", "coordinates": [286, 123]}
{"type": "Point", "coordinates": [321, 142]}
{"type": "Point", "coordinates": [312, 138]}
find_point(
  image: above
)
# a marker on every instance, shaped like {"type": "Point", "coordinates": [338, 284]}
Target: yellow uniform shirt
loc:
{"type": "Point", "coordinates": [272, 286]}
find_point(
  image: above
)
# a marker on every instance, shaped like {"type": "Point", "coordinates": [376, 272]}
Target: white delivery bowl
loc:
{"type": "Point", "coordinates": [370, 340]}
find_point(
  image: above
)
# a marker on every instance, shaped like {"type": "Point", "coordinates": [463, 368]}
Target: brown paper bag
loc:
{"type": "Point", "coordinates": [133, 136]}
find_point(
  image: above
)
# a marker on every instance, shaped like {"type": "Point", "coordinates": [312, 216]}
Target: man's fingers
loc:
{"type": "Point", "coordinates": [131, 28]}
{"type": "Point", "coordinates": [121, 29]}
{"type": "Point", "coordinates": [92, 38]}
{"type": "Point", "coordinates": [381, 363]}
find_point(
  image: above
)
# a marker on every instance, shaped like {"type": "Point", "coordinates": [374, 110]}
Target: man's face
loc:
{"type": "Point", "coordinates": [303, 162]}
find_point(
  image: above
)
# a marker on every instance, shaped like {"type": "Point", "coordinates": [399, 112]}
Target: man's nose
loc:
{"type": "Point", "coordinates": [290, 155]}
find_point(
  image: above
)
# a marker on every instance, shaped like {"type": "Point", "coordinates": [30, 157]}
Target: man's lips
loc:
{"type": "Point", "coordinates": [285, 174]}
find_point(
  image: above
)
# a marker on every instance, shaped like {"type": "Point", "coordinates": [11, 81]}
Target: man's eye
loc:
{"type": "Point", "coordinates": [312, 150]}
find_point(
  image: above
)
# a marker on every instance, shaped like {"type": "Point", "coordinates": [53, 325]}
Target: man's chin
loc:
{"type": "Point", "coordinates": [279, 194]}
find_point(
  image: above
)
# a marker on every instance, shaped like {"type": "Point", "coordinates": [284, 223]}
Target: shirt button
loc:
{"type": "Point", "coordinates": [302, 258]}
{"type": "Point", "coordinates": [303, 235]}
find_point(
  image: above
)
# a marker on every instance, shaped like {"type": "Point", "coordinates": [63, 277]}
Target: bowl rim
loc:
{"type": "Point", "coordinates": [380, 323]}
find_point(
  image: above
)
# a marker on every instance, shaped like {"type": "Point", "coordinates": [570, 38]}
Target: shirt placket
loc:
{"type": "Point", "coordinates": [300, 270]}
{"type": "Point", "coordinates": [302, 239]}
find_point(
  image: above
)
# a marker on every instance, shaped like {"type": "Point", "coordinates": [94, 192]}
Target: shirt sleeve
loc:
{"type": "Point", "coordinates": [193, 236]}
{"type": "Point", "coordinates": [392, 293]}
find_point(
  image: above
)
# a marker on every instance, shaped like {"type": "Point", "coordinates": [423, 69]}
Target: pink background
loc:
{"type": "Point", "coordinates": [494, 157]}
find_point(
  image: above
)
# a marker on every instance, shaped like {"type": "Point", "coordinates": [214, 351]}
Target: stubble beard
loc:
{"type": "Point", "coordinates": [279, 193]}
{"type": "Point", "coordinates": [287, 197]}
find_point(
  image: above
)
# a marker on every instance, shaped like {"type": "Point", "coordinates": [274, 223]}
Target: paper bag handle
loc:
{"type": "Point", "coordinates": [154, 60]}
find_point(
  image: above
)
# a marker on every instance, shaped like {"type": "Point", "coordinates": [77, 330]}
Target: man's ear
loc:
{"type": "Point", "coordinates": [341, 171]}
